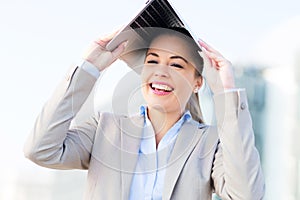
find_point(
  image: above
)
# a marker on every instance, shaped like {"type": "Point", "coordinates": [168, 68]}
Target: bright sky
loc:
{"type": "Point", "coordinates": [39, 40]}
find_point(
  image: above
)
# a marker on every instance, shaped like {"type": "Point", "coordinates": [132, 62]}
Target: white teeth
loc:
{"type": "Point", "coordinates": [161, 87]}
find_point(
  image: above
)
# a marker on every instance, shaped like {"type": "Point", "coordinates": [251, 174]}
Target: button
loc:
{"type": "Point", "coordinates": [243, 106]}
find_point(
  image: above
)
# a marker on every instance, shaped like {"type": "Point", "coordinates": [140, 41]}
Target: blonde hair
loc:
{"type": "Point", "coordinates": [194, 108]}
{"type": "Point", "coordinates": [193, 103]}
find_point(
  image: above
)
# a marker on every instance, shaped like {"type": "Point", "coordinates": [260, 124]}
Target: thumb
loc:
{"type": "Point", "coordinates": [206, 60]}
{"type": "Point", "coordinates": [119, 50]}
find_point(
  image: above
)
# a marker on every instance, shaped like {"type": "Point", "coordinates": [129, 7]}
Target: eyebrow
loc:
{"type": "Point", "coordinates": [152, 54]}
{"type": "Point", "coordinates": [172, 57]}
{"type": "Point", "coordinates": [179, 57]}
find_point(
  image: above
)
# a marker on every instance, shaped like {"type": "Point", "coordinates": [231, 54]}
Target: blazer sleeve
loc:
{"type": "Point", "coordinates": [236, 171]}
{"type": "Point", "coordinates": [52, 143]}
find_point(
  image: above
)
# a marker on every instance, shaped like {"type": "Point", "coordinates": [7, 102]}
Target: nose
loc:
{"type": "Point", "coordinates": [162, 71]}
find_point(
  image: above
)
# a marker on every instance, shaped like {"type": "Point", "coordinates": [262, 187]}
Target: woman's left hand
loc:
{"type": "Point", "coordinates": [218, 71]}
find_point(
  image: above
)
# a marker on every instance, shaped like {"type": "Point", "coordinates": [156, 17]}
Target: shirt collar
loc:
{"type": "Point", "coordinates": [185, 117]}
{"type": "Point", "coordinates": [148, 141]}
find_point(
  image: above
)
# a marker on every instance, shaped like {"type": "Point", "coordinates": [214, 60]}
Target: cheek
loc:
{"type": "Point", "coordinates": [185, 87]}
{"type": "Point", "coordinates": [145, 74]}
{"type": "Point", "coordinates": [144, 83]}
{"type": "Point", "coordinates": [144, 90]}
{"type": "Point", "coordinates": [185, 93]}
{"type": "Point", "coordinates": [185, 82]}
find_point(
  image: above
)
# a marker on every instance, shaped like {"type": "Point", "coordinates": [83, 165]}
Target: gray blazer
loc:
{"type": "Point", "coordinates": [222, 159]}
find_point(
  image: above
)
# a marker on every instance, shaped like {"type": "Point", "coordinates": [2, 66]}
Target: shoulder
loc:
{"type": "Point", "coordinates": [204, 129]}
{"type": "Point", "coordinates": [209, 138]}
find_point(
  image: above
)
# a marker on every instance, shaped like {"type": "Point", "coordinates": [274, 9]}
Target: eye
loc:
{"type": "Point", "coordinates": [152, 62]}
{"type": "Point", "coordinates": [177, 65]}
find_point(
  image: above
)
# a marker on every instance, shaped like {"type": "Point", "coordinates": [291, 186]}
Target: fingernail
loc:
{"type": "Point", "coordinates": [125, 43]}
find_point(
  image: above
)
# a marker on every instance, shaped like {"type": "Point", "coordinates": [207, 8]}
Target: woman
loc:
{"type": "Point", "coordinates": [165, 152]}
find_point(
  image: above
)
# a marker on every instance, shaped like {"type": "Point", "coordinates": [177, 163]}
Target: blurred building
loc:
{"type": "Point", "coordinates": [251, 78]}
{"type": "Point", "coordinates": [274, 103]}
{"type": "Point", "coordinates": [48, 184]}
{"type": "Point", "coordinates": [279, 50]}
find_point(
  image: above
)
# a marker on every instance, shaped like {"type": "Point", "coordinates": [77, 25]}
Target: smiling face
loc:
{"type": "Point", "coordinates": [168, 76]}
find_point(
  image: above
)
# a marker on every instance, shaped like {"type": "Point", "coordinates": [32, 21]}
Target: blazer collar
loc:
{"type": "Point", "coordinates": [131, 134]}
{"type": "Point", "coordinates": [188, 137]}
{"type": "Point", "coordinates": [132, 128]}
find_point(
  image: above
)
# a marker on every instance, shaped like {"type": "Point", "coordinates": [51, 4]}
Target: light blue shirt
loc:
{"type": "Point", "coordinates": [148, 179]}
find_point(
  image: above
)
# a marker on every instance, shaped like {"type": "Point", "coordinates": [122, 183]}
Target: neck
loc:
{"type": "Point", "coordinates": [162, 122]}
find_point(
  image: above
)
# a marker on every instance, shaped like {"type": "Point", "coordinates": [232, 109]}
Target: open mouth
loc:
{"type": "Point", "coordinates": [161, 88]}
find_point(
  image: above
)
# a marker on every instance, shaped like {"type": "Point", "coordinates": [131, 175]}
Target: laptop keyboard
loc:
{"type": "Point", "coordinates": [158, 14]}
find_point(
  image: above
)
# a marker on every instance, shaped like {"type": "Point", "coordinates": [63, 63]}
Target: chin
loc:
{"type": "Point", "coordinates": [164, 106]}
{"type": "Point", "coordinates": [162, 103]}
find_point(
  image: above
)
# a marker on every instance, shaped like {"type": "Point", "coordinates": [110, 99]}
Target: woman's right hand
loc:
{"type": "Point", "coordinates": [218, 70]}
{"type": "Point", "coordinates": [97, 54]}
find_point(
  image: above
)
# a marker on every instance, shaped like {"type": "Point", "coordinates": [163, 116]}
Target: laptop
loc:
{"type": "Point", "coordinates": [155, 13]}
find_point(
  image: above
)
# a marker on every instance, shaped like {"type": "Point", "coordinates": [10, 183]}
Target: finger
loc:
{"type": "Point", "coordinates": [207, 46]}
{"type": "Point", "coordinates": [119, 50]}
{"type": "Point", "coordinates": [211, 55]}
{"type": "Point", "coordinates": [216, 57]}
{"type": "Point", "coordinates": [214, 64]}
{"type": "Point", "coordinates": [222, 63]}
{"type": "Point", "coordinates": [212, 59]}
{"type": "Point", "coordinates": [103, 40]}
{"type": "Point", "coordinates": [216, 61]}
{"type": "Point", "coordinates": [206, 59]}
{"type": "Point", "coordinates": [109, 36]}
{"type": "Point", "coordinates": [207, 53]}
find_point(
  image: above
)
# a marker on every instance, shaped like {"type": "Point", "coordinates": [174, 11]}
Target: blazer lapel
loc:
{"type": "Point", "coordinates": [132, 129]}
{"type": "Point", "coordinates": [188, 136]}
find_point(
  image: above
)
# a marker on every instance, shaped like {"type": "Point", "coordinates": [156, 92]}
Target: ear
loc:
{"type": "Point", "coordinates": [198, 83]}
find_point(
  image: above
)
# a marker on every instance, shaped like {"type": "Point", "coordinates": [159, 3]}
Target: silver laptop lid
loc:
{"type": "Point", "coordinates": [155, 16]}
{"type": "Point", "coordinates": [155, 13]}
